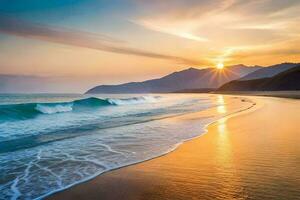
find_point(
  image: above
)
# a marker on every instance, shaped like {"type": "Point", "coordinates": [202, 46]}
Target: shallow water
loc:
{"type": "Point", "coordinates": [49, 142]}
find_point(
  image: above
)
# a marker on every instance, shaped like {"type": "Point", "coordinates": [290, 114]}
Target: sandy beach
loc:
{"type": "Point", "coordinates": [251, 155]}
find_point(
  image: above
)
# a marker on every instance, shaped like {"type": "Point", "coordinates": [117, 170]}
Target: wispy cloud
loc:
{"type": "Point", "coordinates": [76, 38]}
{"type": "Point", "coordinates": [227, 25]}
{"type": "Point", "coordinates": [183, 30]}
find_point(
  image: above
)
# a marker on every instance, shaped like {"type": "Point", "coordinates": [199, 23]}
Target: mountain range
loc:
{"type": "Point", "coordinates": [237, 77]}
{"type": "Point", "coordinates": [191, 78]}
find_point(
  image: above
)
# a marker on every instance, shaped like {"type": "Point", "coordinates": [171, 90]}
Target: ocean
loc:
{"type": "Point", "coordinates": [49, 142]}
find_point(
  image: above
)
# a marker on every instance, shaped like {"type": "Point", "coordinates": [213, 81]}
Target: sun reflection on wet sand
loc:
{"type": "Point", "coordinates": [229, 180]}
{"type": "Point", "coordinates": [222, 126]}
{"type": "Point", "coordinates": [223, 145]}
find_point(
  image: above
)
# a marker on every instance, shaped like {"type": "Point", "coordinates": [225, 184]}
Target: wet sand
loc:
{"type": "Point", "coordinates": [253, 155]}
{"type": "Point", "coordinates": [284, 94]}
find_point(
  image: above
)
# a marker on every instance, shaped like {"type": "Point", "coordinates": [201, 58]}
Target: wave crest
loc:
{"type": "Point", "coordinates": [134, 100]}
{"type": "Point", "coordinates": [54, 108]}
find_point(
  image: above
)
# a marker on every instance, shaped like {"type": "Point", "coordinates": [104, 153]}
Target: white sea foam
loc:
{"type": "Point", "coordinates": [51, 109]}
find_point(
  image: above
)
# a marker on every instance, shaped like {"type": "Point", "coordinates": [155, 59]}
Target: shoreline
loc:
{"type": "Point", "coordinates": [193, 163]}
{"type": "Point", "coordinates": [251, 108]}
{"type": "Point", "coordinates": [280, 94]}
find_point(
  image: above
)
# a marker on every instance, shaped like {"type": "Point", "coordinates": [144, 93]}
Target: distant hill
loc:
{"type": "Point", "coordinates": [191, 78]}
{"type": "Point", "coordinates": [270, 71]}
{"type": "Point", "coordinates": [287, 80]}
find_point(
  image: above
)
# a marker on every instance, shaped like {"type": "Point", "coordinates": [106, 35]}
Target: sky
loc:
{"type": "Point", "coordinates": [113, 41]}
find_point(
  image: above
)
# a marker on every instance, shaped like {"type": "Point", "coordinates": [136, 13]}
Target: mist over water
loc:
{"type": "Point", "coordinates": [50, 142]}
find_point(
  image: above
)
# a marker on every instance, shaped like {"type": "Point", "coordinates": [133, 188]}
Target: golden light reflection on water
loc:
{"type": "Point", "coordinates": [220, 99]}
{"type": "Point", "coordinates": [221, 107]}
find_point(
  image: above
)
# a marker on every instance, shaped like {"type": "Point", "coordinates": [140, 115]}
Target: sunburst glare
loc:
{"type": "Point", "coordinates": [220, 66]}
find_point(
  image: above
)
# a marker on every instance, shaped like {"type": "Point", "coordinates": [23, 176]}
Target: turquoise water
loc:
{"type": "Point", "coordinates": [49, 142]}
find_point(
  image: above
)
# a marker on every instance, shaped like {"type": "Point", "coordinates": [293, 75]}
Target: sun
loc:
{"type": "Point", "coordinates": [220, 66]}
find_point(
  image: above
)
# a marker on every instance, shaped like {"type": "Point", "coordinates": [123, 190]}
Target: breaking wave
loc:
{"type": "Point", "coordinates": [30, 110]}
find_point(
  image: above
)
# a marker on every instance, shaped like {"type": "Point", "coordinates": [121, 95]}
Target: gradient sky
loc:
{"type": "Point", "coordinates": [113, 41]}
